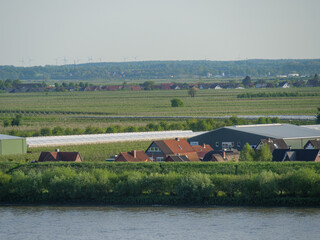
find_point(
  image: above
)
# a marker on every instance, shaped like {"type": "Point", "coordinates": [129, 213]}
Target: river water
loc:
{"type": "Point", "coordinates": [70, 223]}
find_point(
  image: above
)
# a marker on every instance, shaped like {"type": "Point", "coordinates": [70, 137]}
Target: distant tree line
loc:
{"type": "Point", "coordinates": [275, 94]}
{"type": "Point", "coordinates": [161, 69]}
{"type": "Point", "coordinates": [190, 124]}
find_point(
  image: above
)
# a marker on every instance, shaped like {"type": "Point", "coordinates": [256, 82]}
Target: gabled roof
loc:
{"type": "Point", "coordinates": [217, 156]}
{"type": "Point", "coordinates": [174, 146]}
{"type": "Point", "coordinates": [308, 155]}
{"type": "Point", "coordinates": [273, 144]}
{"type": "Point", "coordinates": [314, 143]}
{"type": "Point", "coordinates": [202, 150]}
{"type": "Point", "coordinates": [60, 156]}
{"type": "Point", "coordinates": [181, 158]}
{"type": "Point", "coordinates": [285, 131]}
{"type": "Point", "coordinates": [133, 156]}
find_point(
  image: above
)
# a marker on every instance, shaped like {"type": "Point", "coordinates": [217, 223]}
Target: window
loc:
{"type": "Point", "coordinates": [180, 147]}
{"type": "Point", "coordinates": [159, 159]}
{"type": "Point", "coordinates": [217, 144]}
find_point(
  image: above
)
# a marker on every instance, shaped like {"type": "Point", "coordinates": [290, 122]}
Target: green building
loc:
{"type": "Point", "coordinates": [12, 145]}
{"type": "Point", "coordinates": [237, 136]}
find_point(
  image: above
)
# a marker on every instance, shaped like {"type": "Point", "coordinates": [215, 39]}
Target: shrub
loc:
{"type": "Point", "coordinates": [176, 102]}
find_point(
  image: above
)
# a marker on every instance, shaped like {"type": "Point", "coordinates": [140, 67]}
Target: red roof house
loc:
{"type": "Point", "coordinates": [133, 156]}
{"type": "Point", "coordinates": [60, 156]}
{"type": "Point", "coordinates": [160, 150]}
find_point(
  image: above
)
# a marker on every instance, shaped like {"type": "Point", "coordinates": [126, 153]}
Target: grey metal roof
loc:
{"type": "Point", "coordinates": [2, 137]}
{"type": "Point", "coordinates": [285, 131]}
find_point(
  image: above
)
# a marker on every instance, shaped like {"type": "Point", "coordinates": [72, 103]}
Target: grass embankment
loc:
{"type": "Point", "coordinates": [59, 109]}
{"type": "Point", "coordinates": [267, 184]}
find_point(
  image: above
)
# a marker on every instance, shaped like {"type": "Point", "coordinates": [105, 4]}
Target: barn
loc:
{"type": "Point", "coordinates": [236, 136]}
{"type": "Point", "coordinates": [12, 145]}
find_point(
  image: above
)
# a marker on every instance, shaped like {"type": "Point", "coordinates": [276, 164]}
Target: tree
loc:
{"type": "Point", "coordinates": [176, 102]}
{"type": "Point", "coordinates": [246, 81]}
{"type": "Point", "coordinates": [17, 120]}
{"type": "Point", "coordinates": [6, 123]}
{"type": "Point", "coordinates": [247, 153]}
{"type": "Point", "coordinates": [263, 154]}
{"type": "Point", "coordinates": [192, 92]}
{"type": "Point", "coordinates": [148, 85]}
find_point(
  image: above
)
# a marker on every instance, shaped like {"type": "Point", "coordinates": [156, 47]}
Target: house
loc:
{"type": "Point", "coordinates": [261, 85]}
{"type": "Point", "coordinates": [284, 85]}
{"type": "Point", "coordinates": [202, 150]}
{"type": "Point", "coordinates": [237, 136]}
{"type": "Point", "coordinates": [222, 156]}
{"type": "Point", "coordinates": [133, 156]}
{"type": "Point", "coordinates": [160, 150]}
{"type": "Point", "coordinates": [135, 88]}
{"type": "Point", "coordinates": [177, 158]}
{"type": "Point", "coordinates": [306, 155]}
{"type": "Point", "coordinates": [60, 156]}
{"type": "Point", "coordinates": [273, 144]}
{"type": "Point", "coordinates": [112, 87]}
{"type": "Point", "coordinates": [312, 144]}
{"type": "Point", "coordinates": [166, 86]}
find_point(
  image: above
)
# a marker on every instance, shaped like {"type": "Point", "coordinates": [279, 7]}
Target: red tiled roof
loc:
{"type": "Point", "coordinates": [177, 146]}
{"type": "Point", "coordinates": [133, 156]}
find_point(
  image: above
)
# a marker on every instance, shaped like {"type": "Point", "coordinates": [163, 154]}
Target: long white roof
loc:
{"type": "Point", "coordinates": [106, 138]}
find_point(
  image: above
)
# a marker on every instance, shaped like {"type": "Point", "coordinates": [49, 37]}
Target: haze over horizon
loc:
{"type": "Point", "coordinates": [43, 32]}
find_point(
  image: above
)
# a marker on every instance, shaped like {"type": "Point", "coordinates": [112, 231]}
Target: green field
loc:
{"type": "Point", "coordinates": [62, 109]}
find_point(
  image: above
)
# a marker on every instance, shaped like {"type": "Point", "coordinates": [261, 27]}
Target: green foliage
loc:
{"type": "Point", "coordinates": [247, 153]}
{"type": "Point", "coordinates": [6, 122]}
{"type": "Point", "coordinates": [263, 154]}
{"type": "Point", "coordinates": [318, 117]}
{"type": "Point", "coordinates": [246, 81]}
{"type": "Point", "coordinates": [45, 131]}
{"type": "Point", "coordinates": [71, 183]}
{"type": "Point", "coordinates": [176, 102]}
{"type": "Point", "coordinates": [17, 120]}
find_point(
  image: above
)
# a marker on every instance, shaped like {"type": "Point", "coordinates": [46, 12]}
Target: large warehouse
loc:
{"type": "Point", "coordinates": [237, 136]}
{"type": "Point", "coordinates": [12, 145]}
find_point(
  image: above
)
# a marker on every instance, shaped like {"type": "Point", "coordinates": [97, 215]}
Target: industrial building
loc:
{"type": "Point", "coordinates": [237, 136]}
{"type": "Point", "coordinates": [12, 145]}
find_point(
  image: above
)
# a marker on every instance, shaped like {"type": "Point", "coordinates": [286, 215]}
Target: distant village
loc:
{"type": "Point", "coordinates": [16, 86]}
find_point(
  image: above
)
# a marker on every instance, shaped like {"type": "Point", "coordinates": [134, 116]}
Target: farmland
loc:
{"type": "Point", "coordinates": [62, 109]}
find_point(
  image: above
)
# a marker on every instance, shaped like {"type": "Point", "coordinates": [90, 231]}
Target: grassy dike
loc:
{"type": "Point", "coordinates": [256, 184]}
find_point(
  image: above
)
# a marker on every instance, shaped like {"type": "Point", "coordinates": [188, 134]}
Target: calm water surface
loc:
{"type": "Point", "coordinates": [56, 223]}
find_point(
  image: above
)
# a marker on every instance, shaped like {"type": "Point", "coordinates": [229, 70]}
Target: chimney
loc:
{"type": "Point", "coordinates": [57, 150]}
{"type": "Point", "coordinates": [204, 146]}
{"type": "Point", "coordinates": [269, 140]}
{"type": "Point", "coordinates": [224, 154]}
{"type": "Point", "coordinates": [134, 153]}
{"type": "Point", "coordinates": [177, 139]}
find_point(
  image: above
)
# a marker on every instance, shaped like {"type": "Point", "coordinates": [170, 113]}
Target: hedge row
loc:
{"type": "Point", "coordinates": [235, 168]}
{"type": "Point", "coordinates": [65, 185]}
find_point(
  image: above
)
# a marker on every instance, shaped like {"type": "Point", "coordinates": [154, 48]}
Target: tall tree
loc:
{"type": "Point", "coordinates": [192, 92]}
{"type": "Point", "coordinates": [246, 81]}
{"type": "Point", "coordinates": [247, 153]}
{"type": "Point", "coordinates": [263, 154]}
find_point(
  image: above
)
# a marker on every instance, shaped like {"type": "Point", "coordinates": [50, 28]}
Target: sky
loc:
{"type": "Point", "coordinates": [50, 32]}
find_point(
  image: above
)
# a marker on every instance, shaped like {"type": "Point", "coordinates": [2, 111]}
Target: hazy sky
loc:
{"type": "Point", "coordinates": [43, 32]}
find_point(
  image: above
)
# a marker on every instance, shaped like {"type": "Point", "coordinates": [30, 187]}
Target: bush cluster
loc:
{"type": "Point", "coordinates": [65, 185]}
